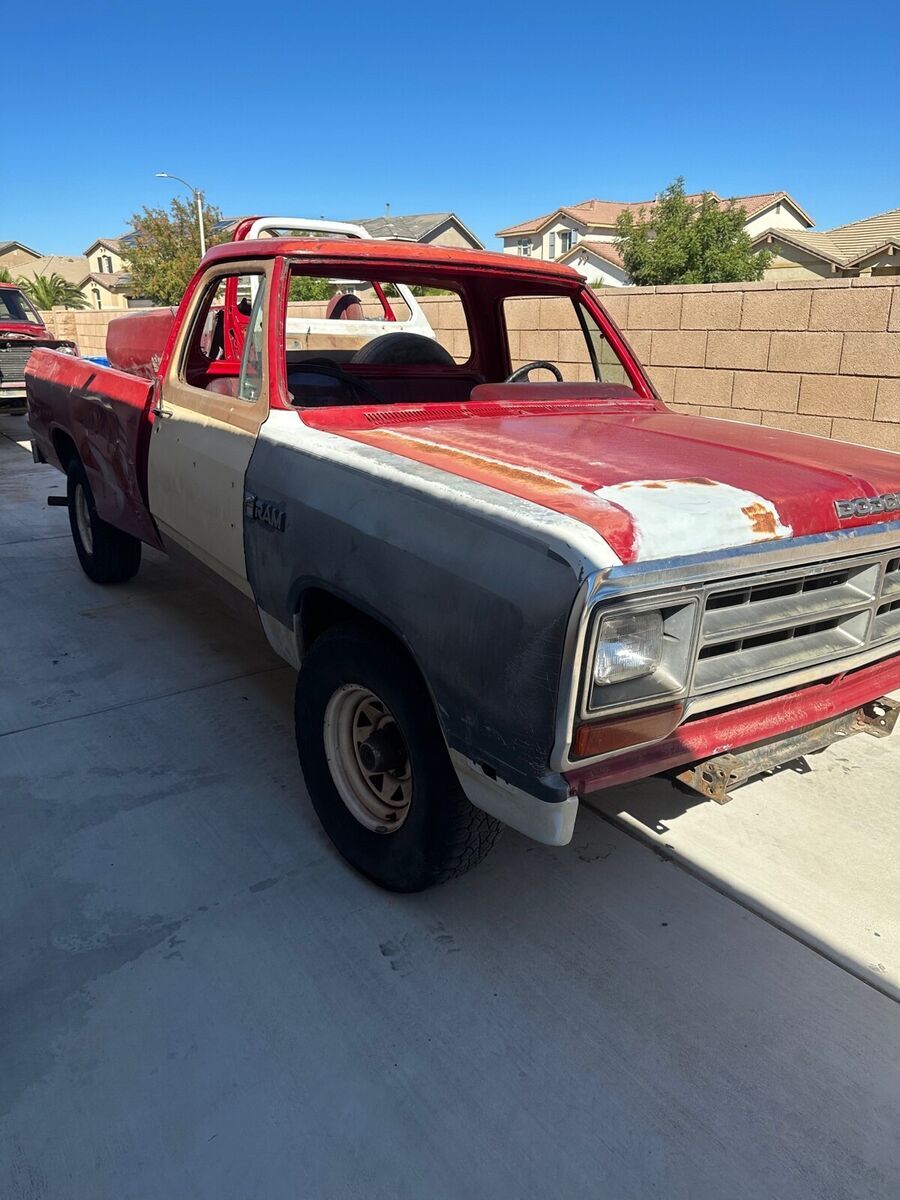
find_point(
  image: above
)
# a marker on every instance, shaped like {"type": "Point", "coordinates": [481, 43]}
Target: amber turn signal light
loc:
{"type": "Point", "coordinates": [633, 729]}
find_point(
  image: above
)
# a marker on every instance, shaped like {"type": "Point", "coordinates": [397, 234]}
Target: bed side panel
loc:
{"type": "Point", "coordinates": [106, 414]}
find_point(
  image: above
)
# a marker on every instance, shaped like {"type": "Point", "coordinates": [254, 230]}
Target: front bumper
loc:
{"type": "Point", "coordinates": [717, 733]}
{"type": "Point", "coordinates": [15, 390]}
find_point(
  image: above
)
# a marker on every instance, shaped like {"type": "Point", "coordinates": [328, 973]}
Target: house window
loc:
{"type": "Point", "coordinates": [567, 239]}
{"type": "Point", "coordinates": [96, 294]}
{"type": "Point", "coordinates": [553, 244]}
{"type": "Point", "coordinates": [524, 247]}
{"type": "Point", "coordinates": [108, 260]}
{"type": "Point", "coordinates": [99, 264]}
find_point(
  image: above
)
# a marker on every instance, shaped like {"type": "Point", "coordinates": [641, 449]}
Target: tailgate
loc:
{"type": "Point", "coordinates": [106, 414]}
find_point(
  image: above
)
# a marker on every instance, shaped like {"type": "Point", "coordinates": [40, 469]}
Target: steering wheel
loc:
{"type": "Point", "coordinates": [331, 369]}
{"type": "Point", "coordinates": [523, 372]}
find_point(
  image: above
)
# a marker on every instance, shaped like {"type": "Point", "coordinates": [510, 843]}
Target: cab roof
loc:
{"type": "Point", "coordinates": [421, 258]}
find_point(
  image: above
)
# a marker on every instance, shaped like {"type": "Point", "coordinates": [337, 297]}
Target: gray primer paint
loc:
{"type": "Point", "coordinates": [483, 606]}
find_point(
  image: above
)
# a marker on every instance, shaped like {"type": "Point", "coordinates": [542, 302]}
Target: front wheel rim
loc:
{"type": "Point", "coordinates": [368, 758]}
{"type": "Point", "coordinates": [83, 519]}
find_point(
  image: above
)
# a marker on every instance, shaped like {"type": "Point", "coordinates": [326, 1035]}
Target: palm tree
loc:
{"type": "Point", "coordinates": [5, 276]}
{"type": "Point", "coordinates": [49, 291]}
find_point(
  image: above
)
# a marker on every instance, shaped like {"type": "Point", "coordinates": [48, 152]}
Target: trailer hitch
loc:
{"type": "Point", "coordinates": [715, 777]}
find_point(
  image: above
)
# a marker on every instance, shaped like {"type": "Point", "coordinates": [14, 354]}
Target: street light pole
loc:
{"type": "Point", "coordinates": [199, 202]}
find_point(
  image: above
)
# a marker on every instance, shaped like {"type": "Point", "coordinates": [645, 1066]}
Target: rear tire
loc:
{"type": "Point", "coordinates": [106, 554]}
{"type": "Point", "coordinates": [377, 768]}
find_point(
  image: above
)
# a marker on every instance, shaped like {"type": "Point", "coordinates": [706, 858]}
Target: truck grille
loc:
{"type": "Point", "coordinates": [780, 622]}
{"type": "Point", "coordinates": [12, 363]}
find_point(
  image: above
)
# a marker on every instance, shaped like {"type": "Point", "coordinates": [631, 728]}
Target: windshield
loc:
{"type": "Point", "coordinates": [14, 306]}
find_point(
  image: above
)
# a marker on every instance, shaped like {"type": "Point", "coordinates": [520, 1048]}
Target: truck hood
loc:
{"type": "Point", "coordinates": [652, 483]}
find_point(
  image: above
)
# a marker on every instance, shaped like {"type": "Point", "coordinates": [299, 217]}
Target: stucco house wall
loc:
{"type": "Point", "coordinates": [790, 262]}
{"type": "Point", "coordinates": [103, 256]}
{"type": "Point", "coordinates": [777, 216]}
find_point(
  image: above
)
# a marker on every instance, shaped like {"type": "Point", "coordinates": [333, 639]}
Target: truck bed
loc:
{"type": "Point", "coordinates": [103, 416]}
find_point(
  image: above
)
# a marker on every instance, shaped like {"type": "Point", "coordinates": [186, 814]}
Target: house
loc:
{"type": "Point", "coordinates": [583, 235]}
{"type": "Point", "coordinates": [869, 247]}
{"type": "Point", "coordinates": [105, 256]}
{"type": "Point", "coordinates": [15, 255]}
{"type": "Point", "coordinates": [100, 274]}
{"type": "Point", "coordinates": [441, 229]}
{"type": "Point", "coordinates": [107, 281]}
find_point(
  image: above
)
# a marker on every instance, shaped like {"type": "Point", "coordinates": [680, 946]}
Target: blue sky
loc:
{"type": "Point", "coordinates": [498, 111]}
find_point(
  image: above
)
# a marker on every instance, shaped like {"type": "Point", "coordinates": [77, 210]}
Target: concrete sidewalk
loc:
{"type": "Point", "coordinates": [199, 999]}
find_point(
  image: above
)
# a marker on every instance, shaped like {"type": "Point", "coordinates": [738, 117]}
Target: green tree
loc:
{"type": "Point", "coordinates": [163, 248]}
{"type": "Point", "coordinates": [51, 291]}
{"type": "Point", "coordinates": [683, 241]}
{"type": "Point", "coordinates": [5, 276]}
{"type": "Point", "coordinates": [309, 287]}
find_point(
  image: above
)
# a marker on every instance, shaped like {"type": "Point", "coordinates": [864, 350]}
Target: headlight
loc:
{"type": "Point", "coordinates": [640, 652]}
{"type": "Point", "coordinates": [629, 646]}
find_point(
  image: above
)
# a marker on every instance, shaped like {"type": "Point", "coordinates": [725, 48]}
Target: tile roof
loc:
{"type": "Point", "coordinates": [606, 212]}
{"type": "Point", "coordinates": [845, 245]}
{"type": "Point", "coordinates": [415, 225]}
{"type": "Point", "coordinates": [869, 234]}
{"type": "Point", "coordinates": [5, 246]}
{"type": "Point", "coordinates": [604, 250]}
{"type": "Point", "coordinates": [113, 281]}
{"type": "Point", "coordinates": [112, 243]}
{"type": "Point", "coordinates": [72, 268]}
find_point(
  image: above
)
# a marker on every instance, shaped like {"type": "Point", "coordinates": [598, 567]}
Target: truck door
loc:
{"type": "Point", "coordinates": [214, 397]}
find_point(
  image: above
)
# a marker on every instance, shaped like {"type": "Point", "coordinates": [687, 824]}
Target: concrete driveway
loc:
{"type": "Point", "coordinates": [200, 1000]}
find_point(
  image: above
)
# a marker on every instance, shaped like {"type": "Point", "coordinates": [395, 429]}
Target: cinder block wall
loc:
{"type": "Point", "coordinates": [87, 328]}
{"type": "Point", "coordinates": [818, 357]}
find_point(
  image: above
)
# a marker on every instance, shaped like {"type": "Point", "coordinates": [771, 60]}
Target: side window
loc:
{"type": "Point", "coordinates": [216, 349]}
{"type": "Point", "coordinates": [559, 330]}
{"type": "Point", "coordinates": [250, 381]}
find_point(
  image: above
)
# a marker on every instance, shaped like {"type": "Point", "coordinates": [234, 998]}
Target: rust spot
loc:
{"type": "Point", "coordinates": [702, 482]}
{"type": "Point", "coordinates": [654, 485]}
{"type": "Point", "coordinates": [762, 519]}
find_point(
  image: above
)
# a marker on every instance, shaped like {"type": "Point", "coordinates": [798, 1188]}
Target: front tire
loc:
{"type": "Point", "coordinates": [106, 554]}
{"type": "Point", "coordinates": [377, 768]}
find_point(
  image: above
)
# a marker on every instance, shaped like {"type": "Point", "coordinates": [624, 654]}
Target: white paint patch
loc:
{"type": "Point", "coordinates": [693, 516]}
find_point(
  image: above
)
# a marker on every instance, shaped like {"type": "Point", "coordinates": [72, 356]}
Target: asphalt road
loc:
{"type": "Point", "coordinates": [199, 999]}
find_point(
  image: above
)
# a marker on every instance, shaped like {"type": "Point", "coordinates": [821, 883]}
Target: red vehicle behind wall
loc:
{"type": "Point", "coordinates": [501, 594]}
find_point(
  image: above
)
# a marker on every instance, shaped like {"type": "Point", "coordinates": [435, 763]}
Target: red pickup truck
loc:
{"type": "Point", "coordinates": [502, 592]}
{"type": "Point", "coordinates": [21, 331]}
